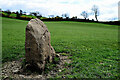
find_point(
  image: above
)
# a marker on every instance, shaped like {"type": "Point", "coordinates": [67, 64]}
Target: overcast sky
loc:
{"type": "Point", "coordinates": [108, 8]}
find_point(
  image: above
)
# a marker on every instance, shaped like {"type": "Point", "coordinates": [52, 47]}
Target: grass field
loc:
{"type": "Point", "coordinates": [93, 46]}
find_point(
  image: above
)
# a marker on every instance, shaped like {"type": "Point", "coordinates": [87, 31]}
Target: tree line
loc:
{"type": "Point", "coordinates": [19, 15]}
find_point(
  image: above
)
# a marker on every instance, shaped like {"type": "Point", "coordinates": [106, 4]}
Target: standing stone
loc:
{"type": "Point", "coordinates": [37, 44]}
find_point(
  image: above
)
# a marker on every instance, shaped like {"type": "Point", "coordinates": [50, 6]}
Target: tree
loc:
{"type": "Point", "coordinates": [0, 10]}
{"type": "Point", "coordinates": [8, 12]}
{"type": "Point", "coordinates": [18, 15]}
{"type": "Point", "coordinates": [84, 14]}
{"type": "Point", "coordinates": [34, 13]}
{"type": "Point", "coordinates": [74, 17]}
{"type": "Point", "coordinates": [21, 12]}
{"type": "Point", "coordinates": [95, 11]}
{"type": "Point", "coordinates": [65, 15]}
{"type": "Point", "coordinates": [39, 16]}
{"type": "Point", "coordinates": [24, 13]}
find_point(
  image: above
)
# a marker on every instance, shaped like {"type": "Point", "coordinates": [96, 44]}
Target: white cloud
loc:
{"type": "Point", "coordinates": [119, 11]}
{"type": "Point", "coordinates": [108, 9]}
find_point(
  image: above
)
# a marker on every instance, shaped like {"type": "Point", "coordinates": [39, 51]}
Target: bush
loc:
{"type": "Point", "coordinates": [26, 17]}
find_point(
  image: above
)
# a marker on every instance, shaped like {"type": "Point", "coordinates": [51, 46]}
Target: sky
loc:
{"type": "Point", "coordinates": [108, 9]}
{"type": "Point", "coordinates": [119, 10]}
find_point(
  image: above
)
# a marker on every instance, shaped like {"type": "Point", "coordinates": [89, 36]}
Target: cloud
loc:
{"type": "Point", "coordinates": [108, 9]}
{"type": "Point", "coordinates": [119, 10]}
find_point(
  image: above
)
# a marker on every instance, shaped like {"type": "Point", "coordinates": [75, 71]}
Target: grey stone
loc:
{"type": "Point", "coordinates": [38, 48]}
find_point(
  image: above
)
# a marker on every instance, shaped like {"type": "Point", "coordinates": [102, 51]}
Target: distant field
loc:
{"type": "Point", "coordinates": [93, 46]}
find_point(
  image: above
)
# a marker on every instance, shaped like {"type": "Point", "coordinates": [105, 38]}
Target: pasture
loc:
{"type": "Point", "coordinates": [93, 47]}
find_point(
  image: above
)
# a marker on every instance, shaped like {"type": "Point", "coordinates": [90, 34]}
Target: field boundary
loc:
{"type": "Point", "coordinates": [77, 20]}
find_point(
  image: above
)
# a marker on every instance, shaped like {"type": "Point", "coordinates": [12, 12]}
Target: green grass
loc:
{"type": "Point", "coordinates": [13, 38]}
{"type": "Point", "coordinates": [93, 46]}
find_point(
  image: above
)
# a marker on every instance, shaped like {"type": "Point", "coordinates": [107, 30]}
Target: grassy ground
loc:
{"type": "Point", "coordinates": [93, 46]}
